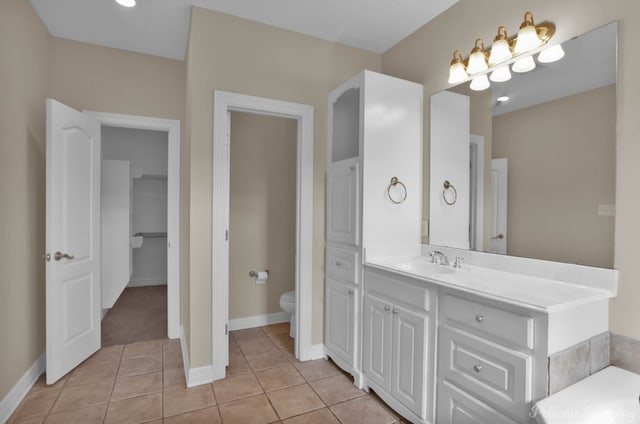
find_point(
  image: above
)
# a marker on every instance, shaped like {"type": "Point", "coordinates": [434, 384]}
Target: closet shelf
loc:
{"type": "Point", "coordinates": [151, 235]}
{"type": "Point", "coordinates": [153, 177]}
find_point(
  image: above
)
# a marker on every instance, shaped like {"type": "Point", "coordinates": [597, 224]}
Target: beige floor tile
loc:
{"type": "Point", "coordinates": [91, 415]}
{"type": "Point", "coordinates": [174, 378]}
{"type": "Point", "coordinates": [247, 334]}
{"type": "Point", "coordinates": [256, 345]}
{"type": "Point", "coordinates": [172, 359]}
{"type": "Point", "coordinates": [363, 410]}
{"type": "Point", "coordinates": [294, 400]}
{"type": "Point", "coordinates": [208, 416]}
{"type": "Point", "coordinates": [315, 370]}
{"type": "Point", "coordinates": [135, 410]}
{"type": "Point", "coordinates": [93, 372]}
{"type": "Point", "coordinates": [261, 361]}
{"type": "Point", "coordinates": [37, 420]}
{"type": "Point", "coordinates": [142, 349]}
{"type": "Point", "coordinates": [282, 340]}
{"type": "Point", "coordinates": [41, 384]}
{"type": "Point", "coordinates": [233, 346]}
{"type": "Point", "coordinates": [237, 387]}
{"type": "Point", "coordinates": [336, 389]}
{"type": "Point", "coordinates": [280, 328]}
{"type": "Point", "coordinates": [319, 416]}
{"type": "Point", "coordinates": [279, 377]}
{"type": "Point", "coordinates": [106, 354]}
{"type": "Point", "coordinates": [140, 365]}
{"type": "Point", "coordinates": [136, 385]}
{"type": "Point", "coordinates": [36, 404]}
{"type": "Point", "coordinates": [253, 410]}
{"type": "Point", "coordinates": [237, 364]}
{"type": "Point", "coordinates": [180, 400]}
{"type": "Point", "coordinates": [171, 346]}
{"type": "Point", "coordinates": [76, 397]}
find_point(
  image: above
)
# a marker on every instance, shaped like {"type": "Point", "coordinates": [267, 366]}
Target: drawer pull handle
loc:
{"type": "Point", "coordinates": [353, 167]}
{"type": "Point", "coordinates": [477, 368]}
{"type": "Point", "coordinates": [479, 318]}
{"type": "Point", "coordinates": [338, 264]}
{"type": "Point", "coordinates": [387, 308]}
{"type": "Point", "coordinates": [350, 292]}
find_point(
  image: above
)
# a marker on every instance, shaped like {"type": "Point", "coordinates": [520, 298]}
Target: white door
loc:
{"type": "Point", "coordinates": [410, 345]}
{"type": "Point", "coordinates": [377, 341]}
{"type": "Point", "coordinates": [72, 238]}
{"type": "Point", "coordinates": [340, 314]}
{"type": "Point", "coordinates": [498, 242]}
{"type": "Point", "coordinates": [343, 197]}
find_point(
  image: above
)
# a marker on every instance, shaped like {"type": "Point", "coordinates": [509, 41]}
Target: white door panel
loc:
{"type": "Point", "coordinates": [499, 206]}
{"type": "Point", "coordinates": [72, 238]}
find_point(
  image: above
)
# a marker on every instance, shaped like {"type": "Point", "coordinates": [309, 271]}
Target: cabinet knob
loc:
{"type": "Point", "coordinates": [353, 167]}
{"type": "Point", "coordinates": [479, 318]}
{"type": "Point", "coordinates": [395, 311]}
{"type": "Point", "coordinates": [350, 292]}
{"type": "Point", "coordinates": [338, 264]}
{"type": "Point", "coordinates": [387, 308]}
{"type": "Point", "coordinates": [477, 368]}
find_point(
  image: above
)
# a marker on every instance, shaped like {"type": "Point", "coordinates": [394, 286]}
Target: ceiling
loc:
{"type": "Point", "coordinates": [161, 27]}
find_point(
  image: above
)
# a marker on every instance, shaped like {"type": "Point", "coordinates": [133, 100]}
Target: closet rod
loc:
{"type": "Point", "coordinates": [150, 235]}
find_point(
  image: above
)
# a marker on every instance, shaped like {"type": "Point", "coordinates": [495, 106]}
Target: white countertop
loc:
{"type": "Point", "coordinates": [541, 294]}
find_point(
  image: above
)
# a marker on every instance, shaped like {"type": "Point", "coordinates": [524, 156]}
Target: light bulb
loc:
{"type": "Point", "coordinates": [501, 74]}
{"type": "Point", "coordinates": [457, 73]}
{"type": "Point", "coordinates": [480, 83]}
{"type": "Point", "coordinates": [477, 59]}
{"type": "Point", "coordinates": [527, 36]}
{"type": "Point", "coordinates": [503, 99]}
{"type": "Point", "coordinates": [523, 65]}
{"type": "Point", "coordinates": [126, 3]}
{"type": "Point", "coordinates": [551, 54]}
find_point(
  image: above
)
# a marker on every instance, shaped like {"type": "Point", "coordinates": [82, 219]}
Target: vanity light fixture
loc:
{"type": "Point", "coordinates": [504, 51]}
{"type": "Point", "coordinates": [126, 3]}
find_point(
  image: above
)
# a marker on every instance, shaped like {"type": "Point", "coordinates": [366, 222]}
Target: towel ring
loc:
{"type": "Point", "coordinates": [448, 186]}
{"type": "Point", "coordinates": [394, 182]}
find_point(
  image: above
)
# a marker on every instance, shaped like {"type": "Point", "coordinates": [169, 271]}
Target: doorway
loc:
{"type": "Point", "coordinates": [224, 104]}
{"type": "Point", "coordinates": [150, 183]}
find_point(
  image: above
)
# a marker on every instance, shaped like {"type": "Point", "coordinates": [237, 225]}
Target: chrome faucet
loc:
{"type": "Point", "coordinates": [439, 258]}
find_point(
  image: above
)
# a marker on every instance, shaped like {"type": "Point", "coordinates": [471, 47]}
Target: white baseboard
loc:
{"type": "Point", "coordinates": [193, 376]}
{"type": "Point", "coordinates": [258, 320]}
{"type": "Point", "coordinates": [145, 283]}
{"type": "Point", "coordinates": [313, 352]}
{"type": "Point", "coordinates": [12, 400]}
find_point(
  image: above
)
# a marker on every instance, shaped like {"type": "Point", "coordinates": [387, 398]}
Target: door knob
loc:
{"type": "Point", "coordinates": [59, 255]}
{"type": "Point", "coordinates": [499, 237]}
{"type": "Point", "coordinates": [387, 308]}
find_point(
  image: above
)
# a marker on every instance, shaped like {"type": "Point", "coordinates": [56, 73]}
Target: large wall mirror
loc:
{"type": "Point", "coordinates": [531, 160]}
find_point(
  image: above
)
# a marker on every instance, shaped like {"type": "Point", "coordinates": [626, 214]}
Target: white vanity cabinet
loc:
{"type": "Point", "coordinates": [491, 360]}
{"type": "Point", "coordinates": [398, 354]}
{"type": "Point", "coordinates": [375, 135]}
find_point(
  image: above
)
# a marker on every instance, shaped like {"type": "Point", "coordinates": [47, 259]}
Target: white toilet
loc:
{"type": "Point", "coordinates": [288, 304]}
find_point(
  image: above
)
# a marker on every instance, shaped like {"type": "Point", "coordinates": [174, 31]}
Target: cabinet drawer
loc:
{"type": "Point", "coordinates": [343, 264]}
{"type": "Point", "coordinates": [496, 324]}
{"type": "Point", "coordinates": [396, 290]}
{"type": "Point", "coordinates": [493, 373]}
{"type": "Point", "coordinates": [457, 407]}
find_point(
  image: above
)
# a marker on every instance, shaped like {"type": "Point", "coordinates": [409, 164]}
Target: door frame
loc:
{"type": "Point", "coordinates": [224, 103]}
{"type": "Point", "coordinates": [499, 205]}
{"type": "Point", "coordinates": [476, 221]}
{"type": "Point", "coordinates": [172, 127]}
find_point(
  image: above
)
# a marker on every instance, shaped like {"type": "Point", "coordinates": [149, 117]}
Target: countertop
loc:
{"type": "Point", "coordinates": [540, 294]}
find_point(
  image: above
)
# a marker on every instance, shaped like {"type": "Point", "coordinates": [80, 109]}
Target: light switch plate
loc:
{"type": "Point", "coordinates": [607, 210]}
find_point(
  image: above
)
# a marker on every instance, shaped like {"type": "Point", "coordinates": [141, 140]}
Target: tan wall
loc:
{"type": "Point", "coordinates": [24, 86]}
{"type": "Point", "coordinates": [561, 167]}
{"type": "Point", "coordinates": [262, 212]}
{"type": "Point", "coordinates": [233, 54]}
{"type": "Point", "coordinates": [425, 55]}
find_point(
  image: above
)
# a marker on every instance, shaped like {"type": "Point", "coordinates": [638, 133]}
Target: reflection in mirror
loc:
{"type": "Point", "coordinates": [532, 159]}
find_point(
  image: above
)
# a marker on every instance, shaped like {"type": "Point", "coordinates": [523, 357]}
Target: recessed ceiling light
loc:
{"type": "Point", "coordinates": [503, 99]}
{"type": "Point", "coordinates": [126, 3]}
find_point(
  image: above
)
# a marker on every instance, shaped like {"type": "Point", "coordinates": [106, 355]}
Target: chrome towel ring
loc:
{"type": "Point", "coordinates": [448, 187]}
{"type": "Point", "coordinates": [394, 182]}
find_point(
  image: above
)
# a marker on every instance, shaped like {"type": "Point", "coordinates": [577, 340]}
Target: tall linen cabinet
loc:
{"type": "Point", "coordinates": [373, 197]}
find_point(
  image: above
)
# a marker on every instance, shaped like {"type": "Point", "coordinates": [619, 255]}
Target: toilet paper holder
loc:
{"type": "Point", "coordinates": [254, 274]}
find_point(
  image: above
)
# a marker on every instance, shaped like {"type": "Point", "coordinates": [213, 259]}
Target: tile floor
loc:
{"type": "Point", "coordinates": [144, 383]}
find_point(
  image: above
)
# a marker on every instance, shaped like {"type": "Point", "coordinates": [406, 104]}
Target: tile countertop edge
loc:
{"type": "Point", "coordinates": [594, 294]}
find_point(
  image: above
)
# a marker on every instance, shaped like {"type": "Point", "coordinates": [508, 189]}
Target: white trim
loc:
{"type": "Point", "coordinates": [193, 376]}
{"type": "Point", "coordinates": [172, 127]}
{"type": "Point", "coordinates": [147, 282]}
{"type": "Point", "coordinates": [12, 400]}
{"type": "Point", "coordinates": [258, 320]}
{"type": "Point", "coordinates": [478, 180]}
{"type": "Point", "coordinates": [224, 103]}
{"type": "Point", "coordinates": [317, 351]}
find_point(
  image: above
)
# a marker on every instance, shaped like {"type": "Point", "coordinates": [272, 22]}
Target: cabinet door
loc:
{"type": "Point", "coordinates": [458, 407]}
{"type": "Point", "coordinates": [340, 309]}
{"type": "Point", "coordinates": [343, 204]}
{"type": "Point", "coordinates": [377, 341]}
{"type": "Point", "coordinates": [411, 377]}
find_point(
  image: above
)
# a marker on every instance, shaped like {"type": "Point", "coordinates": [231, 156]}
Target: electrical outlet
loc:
{"type": "Point", "coordinates": [607, 210]}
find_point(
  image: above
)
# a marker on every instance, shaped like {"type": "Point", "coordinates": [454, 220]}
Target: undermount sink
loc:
{"type": "Point", "coordinates": [425, 268]}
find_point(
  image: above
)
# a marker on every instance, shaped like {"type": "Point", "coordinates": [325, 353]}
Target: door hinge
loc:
{"type": "Point", "coordinates": [226, 235]}
{"type": "Point", "coordinates": [226, 329]}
